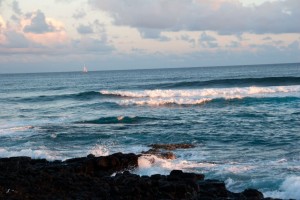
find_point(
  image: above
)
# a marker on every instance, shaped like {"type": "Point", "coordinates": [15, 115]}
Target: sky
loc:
{"type": "Point", "coordinates": [64, 35]}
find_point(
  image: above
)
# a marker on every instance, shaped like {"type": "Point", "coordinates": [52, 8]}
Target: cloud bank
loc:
{"type": "Point", "coordinates": [222, 16]}
{"type": "Point", "coordinates": [113, 34]}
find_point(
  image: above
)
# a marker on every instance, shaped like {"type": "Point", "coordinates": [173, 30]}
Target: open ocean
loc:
{"type": "Point", "coordinates": [244, 120]}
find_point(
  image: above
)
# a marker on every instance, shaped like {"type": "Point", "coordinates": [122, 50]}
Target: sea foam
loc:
{"type": "Point", "coordinates": [289, 189]}
{"type": "Point", "coordinates": [199, 96]}
{"type": "Point", "coordinates": [224, 92]}
{"type": "Point", "coordinates": [35, 154]}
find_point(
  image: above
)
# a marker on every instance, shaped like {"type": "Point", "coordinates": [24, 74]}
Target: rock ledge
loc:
{"type": "Point", "coordinates": [90, 178]}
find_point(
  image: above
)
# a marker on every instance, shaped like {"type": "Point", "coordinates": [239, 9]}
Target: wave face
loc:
{"type": "Point", "coordinates": [81, 96]}
{"type": "Point", "coordinates": [236, 82]}
{"type": "Point", "coordinates": [117, 120]}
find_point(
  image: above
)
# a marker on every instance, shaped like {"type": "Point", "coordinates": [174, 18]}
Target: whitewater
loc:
{"type": "Point", "coordinates": [243, 120]}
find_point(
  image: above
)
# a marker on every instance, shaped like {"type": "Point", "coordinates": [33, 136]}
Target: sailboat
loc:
{"type": "Point", "coordinates": [84, 69]}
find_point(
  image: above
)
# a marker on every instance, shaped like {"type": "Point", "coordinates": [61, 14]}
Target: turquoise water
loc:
{"type": "Point", "coordinates": [244, 120]}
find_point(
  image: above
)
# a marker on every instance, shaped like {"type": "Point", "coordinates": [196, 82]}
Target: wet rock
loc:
{"type": "Point", "coordinates": [164, 150]}
{"type": "Point", "coordinates": [252, 194]}
{"type": "Point", "coordinates": [90, 178]}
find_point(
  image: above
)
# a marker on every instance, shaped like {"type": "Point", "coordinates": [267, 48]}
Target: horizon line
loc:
{"type": "Point", "coordinates": [108, 70]}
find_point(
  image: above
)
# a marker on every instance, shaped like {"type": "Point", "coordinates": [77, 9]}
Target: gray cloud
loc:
{"type": "Point", "coordinates": [207, 38]}
{"type": "Point", "coordinates": [39, 24]}
{"type": "Point", "coordinates": [231, 17]}
{"type": "Point", "coordinates": [152, 34]}
{"type": "Point", "coordinates": [16, 8]}
{"type": "Point", "coordinates": [188, 39]}
{"type": "Point", "coordinates": [84, 29]}
{"type": "Point", "coordinates": [79, 14]}
{"type": "Point", "coordinates": [295, 46]}
{"type": "Point", "coordinates": [17, 40]}
{"type": "Point", "coordinates": [267, 38]}
{"type": "Point", "coordinates": [91, 45]}
{"type": "Point", "coordinates": [15, 18]}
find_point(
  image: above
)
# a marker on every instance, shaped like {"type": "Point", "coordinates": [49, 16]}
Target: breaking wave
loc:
{"type": "Point", "coordinates": [289, 189]}
{"type": "Point", "coordinates": [221, 92]}
{"type": "Point", "coordinates": [203, 96]}
{"type": "Point", "coordinates": [36, 154]}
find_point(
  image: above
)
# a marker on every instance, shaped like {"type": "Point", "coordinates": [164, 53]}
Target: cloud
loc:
{"type": "Point", "coordinates": [267, 38]}
{"type": "Point", "coordinates": [79, 14]}
{"type": "Point", "coordinates": [84, 29]}
{"type": "Point", "coordinates": [90, 45]}
{"type": "Point", "coordinates": [206, 38]}
{"type": "Point", "coordinates": [2, 24]}
{"type": "Point", "coordinates": [295, 46]}
{"type": "Point", "coordinates": [38, 24]}
{"type": "Point", "coordinates": [208, 41]}
{"type": "Point", "coordinates": [16, 40]}
{"type": "Point", "coordinates": [225, 17]}
{"type": "Point", "coordinates": [16, 8]}
{"type": "Point", "coordinates": [188, 39]}
{"type": "Point", "coordinates": [234, 44]}
{"type": "Point", "coordinates": [64, 1]}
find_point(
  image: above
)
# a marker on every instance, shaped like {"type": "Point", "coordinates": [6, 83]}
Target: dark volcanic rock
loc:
{"type": "Point", "coordinates": [163, 150]}
{"type": "Point", "coordinates": [90, 178]}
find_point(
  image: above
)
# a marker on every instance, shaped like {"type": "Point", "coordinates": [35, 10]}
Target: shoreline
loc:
{"type": "Point", "coordinates": [91, 178]}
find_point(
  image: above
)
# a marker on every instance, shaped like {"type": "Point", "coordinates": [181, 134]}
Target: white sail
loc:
{"type": "Point", "coordinates": [85, 69]}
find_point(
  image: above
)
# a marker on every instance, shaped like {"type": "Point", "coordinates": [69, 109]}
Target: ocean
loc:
{"type": "Point", "coordinates": [243, 120]}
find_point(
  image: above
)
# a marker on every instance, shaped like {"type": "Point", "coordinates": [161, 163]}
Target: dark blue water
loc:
{"type": "Point", "coordinates": [244, 120]}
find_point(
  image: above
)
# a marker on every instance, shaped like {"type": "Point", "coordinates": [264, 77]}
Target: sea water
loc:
{"type": "Point", "coordinates": [243, 120]}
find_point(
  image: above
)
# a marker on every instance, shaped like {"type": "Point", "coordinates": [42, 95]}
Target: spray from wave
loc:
{"type": "Point", "coordinates": [289, 189]}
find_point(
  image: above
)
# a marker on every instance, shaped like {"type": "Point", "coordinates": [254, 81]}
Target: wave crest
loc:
{"type": "Point", "coordinates": [220, 92]}
{"type": "Point", "coordinates": [202, 96]}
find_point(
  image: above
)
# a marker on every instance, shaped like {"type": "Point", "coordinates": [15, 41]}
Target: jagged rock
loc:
{"type": "Point", "coordinates": [90, 178]}
{"type": "Point", "coordinates": [252, 194]}
{"type": "Point", "coordinates": [163, 150]}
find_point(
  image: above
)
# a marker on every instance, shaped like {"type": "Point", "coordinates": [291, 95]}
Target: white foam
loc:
{"type": "Point", "coordinates": [239, 169]}
{"type": "Point", "coordinates": [35, 154]}
{"type": "Point", "coordinates": [167, 101]}
{"type": "Point", "coordinates": [151, 164]}
{"type": "Point", "coordinates": [99, 150]}
{"type": "Point", "coordinates": [229, 182]}
{"type": "Point", "coordinates": [204, 92]}
{"type": "Point", "coordinates": [14, 129]}
{"type": "Point", "coordinates": [21, 128]}
{"type": "Point", "coordinates": [289, 189]}
{"type": "Point", "coordinates": [199, 96]}
{"type": "Point", "coordinates": [120, 118]}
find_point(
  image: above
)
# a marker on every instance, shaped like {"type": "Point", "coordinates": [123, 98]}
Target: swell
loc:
{"type": "Point", "coordinates": [245, 82]}
{"type": "Point", "coordinates": [81, 96]}
{"type": "Point", "coordinates": [117, 120]}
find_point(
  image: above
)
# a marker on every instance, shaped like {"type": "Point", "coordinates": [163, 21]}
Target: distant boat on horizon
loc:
{"type": "Point", "coordinates": [84, 69]}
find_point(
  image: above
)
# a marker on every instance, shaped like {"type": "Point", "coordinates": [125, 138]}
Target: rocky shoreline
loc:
{"type": "Point", "coordinates": [91, 178]}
